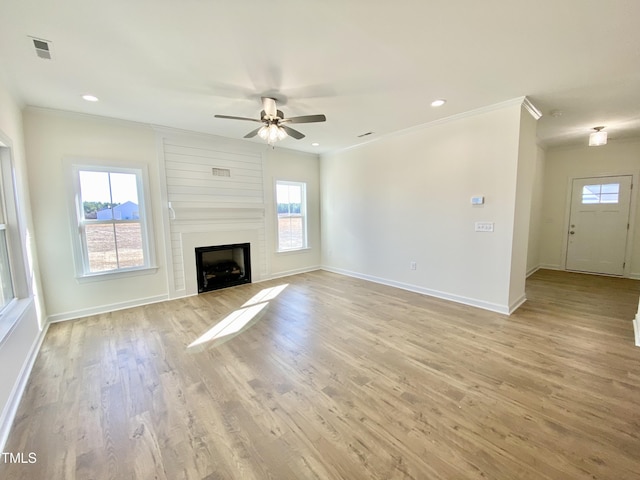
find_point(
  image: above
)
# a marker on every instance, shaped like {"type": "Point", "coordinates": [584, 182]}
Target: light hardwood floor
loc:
{"type": "Point", "coordinates": [338, 378]}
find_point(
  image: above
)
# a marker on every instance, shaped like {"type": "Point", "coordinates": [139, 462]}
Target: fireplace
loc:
{"type": "Point", "coordinates": [222, 266]}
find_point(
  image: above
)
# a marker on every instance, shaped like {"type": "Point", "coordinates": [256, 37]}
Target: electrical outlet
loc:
{"type": "Point", "coordinates": [413, 266]}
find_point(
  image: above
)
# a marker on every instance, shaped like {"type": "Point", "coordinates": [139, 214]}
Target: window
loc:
{"type": "Point", "coordinates": [291, 207]}
{"type": "Point", "coordinates": [602, 193]}
{"type": "Point", "coordinates": [15, 291]}
{"type": "Point", "coordinates": [111, 219]}
{"type": "Point", "coordinates": [6, 279]}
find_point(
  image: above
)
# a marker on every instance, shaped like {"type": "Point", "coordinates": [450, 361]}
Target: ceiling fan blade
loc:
{"type": "Point", "coordinates": [293, 133]}
{"type": "Point", "coordinates": [269, 106]}
{"type": "Point", "coordinates": [306, 119]}
{"type": "Point", "coordinates": [252, 133]}
{"type": "Point", "coordinates": [231, 117]}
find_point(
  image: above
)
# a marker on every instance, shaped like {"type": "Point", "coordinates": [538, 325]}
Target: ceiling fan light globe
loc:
{"type": "Point", "coordinates": [263, 132]}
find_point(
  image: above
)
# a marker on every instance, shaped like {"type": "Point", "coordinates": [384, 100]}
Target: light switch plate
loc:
{"type": "Point", "coordinates": [479, 200]}
{"type": "Point", "coordinates": [484, 226]}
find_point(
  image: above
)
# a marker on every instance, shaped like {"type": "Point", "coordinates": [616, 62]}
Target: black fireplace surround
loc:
{"type": "Point", "coordinates": [222, 266]}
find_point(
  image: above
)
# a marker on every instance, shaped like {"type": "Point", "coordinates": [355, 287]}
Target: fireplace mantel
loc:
{"type": "Point", "coordinates": [186, 213]}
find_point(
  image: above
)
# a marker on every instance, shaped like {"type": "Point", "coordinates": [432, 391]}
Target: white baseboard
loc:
{"type": "Point", "coordinates": [532, 271]}
{"type": "Point", "coordinates": [288, 273]}
{"type": "Point", "coordinates": [544, 266]}
{"type": "Point", "coordinates": [61, 317]}
{"type": "Point", "coordinates": [550, 266]}
{"type": "Point", "coordinates": [494, 307]}
{"type": "Point", "coordinates": [636, 330]}
{"type": "Point", "coordinates": [517, 304]}
{"type": "Point", "coordinates": [11, 408]}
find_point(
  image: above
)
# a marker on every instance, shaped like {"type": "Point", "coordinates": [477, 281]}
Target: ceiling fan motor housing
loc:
{"type": "Point", "coordinates": [265, 118]}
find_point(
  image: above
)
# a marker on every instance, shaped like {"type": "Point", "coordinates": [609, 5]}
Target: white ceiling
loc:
{"type": "Point", "coordinates": [369, 65]}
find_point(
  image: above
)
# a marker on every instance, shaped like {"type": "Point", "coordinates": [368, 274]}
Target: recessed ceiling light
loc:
{"type": "Point", "coordinates": [315, 144]}
{"type": "Point", "coordinates": [90, 98]}
{"type": "Point", "coordinates": [438, 103]}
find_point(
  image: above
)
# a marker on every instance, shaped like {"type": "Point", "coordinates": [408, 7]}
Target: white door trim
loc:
{"type": "Point", "coordinates": [632, 215]}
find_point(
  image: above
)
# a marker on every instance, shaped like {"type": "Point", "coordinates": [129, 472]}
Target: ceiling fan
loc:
{"type": "Point", "coordinates": [274, 126]}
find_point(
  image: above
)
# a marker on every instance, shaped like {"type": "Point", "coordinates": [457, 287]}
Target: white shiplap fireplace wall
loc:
{"type": "Point", "coordinates": [206, 209]}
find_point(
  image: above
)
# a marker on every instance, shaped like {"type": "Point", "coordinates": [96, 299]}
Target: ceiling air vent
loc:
{"type": "Point", "coordinates": [43, 47]}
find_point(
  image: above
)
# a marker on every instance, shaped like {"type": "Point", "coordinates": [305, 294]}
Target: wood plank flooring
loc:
{"type": "Point", "coordinates": [338, 378]}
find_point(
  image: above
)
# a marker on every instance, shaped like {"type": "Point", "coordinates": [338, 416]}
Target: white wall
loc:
{"type": "Point", "coordinates": [50, 138]}
{"type": "Point", "coordinates": [406, 198]}
{"type": "Point", "coordinates": [282, 164]}
{"type": "Point", "coordinates": [19, 347]}
{"type": "Point", "coordinates": [563, 164]}
{"type": "Point", "coordinates": [207, 209]}
{"type": "Point", "coordinates": [527, 152]}
{"type": "Point", "coordinates": [535, 226]}
{"type": "Point", "coordinates": [237, 209]}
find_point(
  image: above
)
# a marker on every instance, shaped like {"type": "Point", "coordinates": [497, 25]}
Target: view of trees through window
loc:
{"type": "Point", "coordinates": [111, 224]}
{"type": "Point", "coordinates": [91, 208]}
{"type": "Point", "coordinates": [291, 210]}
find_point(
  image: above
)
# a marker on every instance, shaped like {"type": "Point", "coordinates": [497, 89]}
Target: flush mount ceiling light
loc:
{"type": "Point", "coordinates": [438, 103]}
{"type": "Point", "coordinates": [598, 137]}
{"type": "Point", "coordinates": [315, 144]}
{"type": "Point", "coordinates": [90, 98]}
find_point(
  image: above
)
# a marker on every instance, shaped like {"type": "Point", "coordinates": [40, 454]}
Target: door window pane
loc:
{"type": "Point", "coordinates": [601, 193]}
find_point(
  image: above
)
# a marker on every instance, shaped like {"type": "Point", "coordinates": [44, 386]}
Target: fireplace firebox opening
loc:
{"type": "Point", "coordinates": [221, 266]}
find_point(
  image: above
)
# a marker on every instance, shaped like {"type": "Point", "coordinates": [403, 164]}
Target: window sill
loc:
{"type": "Point", "coordinates": [293, 251]}
{"type": "Point", "coordinates": [99, 277]}
{"type": "Point", "coordinates": [11, 315]}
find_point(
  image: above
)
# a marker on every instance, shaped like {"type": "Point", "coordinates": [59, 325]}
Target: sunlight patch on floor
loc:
{"type": "Point", "coordinates": [266, 295]}
{"type": "Point", "coordinates": [237, 320]}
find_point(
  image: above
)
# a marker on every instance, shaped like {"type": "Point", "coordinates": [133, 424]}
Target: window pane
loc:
{"type": "Point", "coordinates": [113, 235]}
{"type": "Point", "coordinates": [289, 198]}
{"type": "Point", "coordinates": [129, 238]}
{"type": "Point", "coordinates": [290, 230]}
{"type": "Point", "coordinates": [6, 286]}
{"type": "Point", "coordinates": [95, 195]}
{"type": "Point", "coordinates": [587, 199]}
{"type": "Point", "coordinates": [605, 193]}
{"type": "Point", "coordinates": [101, 247]}
{"type": "Point", "coordinates": [609, 198]}
{"type": "Point", "coordinates": [107, 196]}
{"type": "Point", "coordinates": [591, 190]}
{"type": "Point", "coordinates": [291, 209]}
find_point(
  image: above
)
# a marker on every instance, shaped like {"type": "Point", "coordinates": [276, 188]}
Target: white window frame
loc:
{"type": "Point", "coordinates": [78, 222]}
{"type": "Point", "coordinates": [19, 264]}
{"type": "Point", "coordinates": [303, 215]}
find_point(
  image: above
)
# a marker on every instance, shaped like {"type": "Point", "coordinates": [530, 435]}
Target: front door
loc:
{"type": "Point", "coordinates": [598, 224]}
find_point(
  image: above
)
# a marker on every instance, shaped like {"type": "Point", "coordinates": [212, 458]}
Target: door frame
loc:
{"type": "Point", "coordinates": [632, 217]}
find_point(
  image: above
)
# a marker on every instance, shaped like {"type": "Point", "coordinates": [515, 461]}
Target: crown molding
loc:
{"type": "Point", "coordinates": [521, 101]}
{"type": "Point", "coordinates": [531, 108]}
